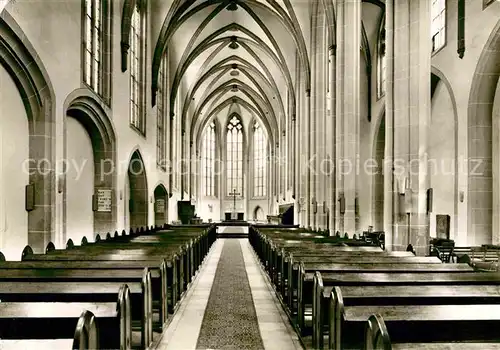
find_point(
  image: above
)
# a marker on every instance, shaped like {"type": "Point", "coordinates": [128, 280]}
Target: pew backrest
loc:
{"type": "Point", "coordinates": [376, 334]}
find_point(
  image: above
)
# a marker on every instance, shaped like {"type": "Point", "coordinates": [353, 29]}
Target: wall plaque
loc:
{"type": "Point", "coordinates": [160, 206]}
{"type": "Point", "coordinates": [443, 226]}
{"type": "Point", "coordinates": [104, 200]}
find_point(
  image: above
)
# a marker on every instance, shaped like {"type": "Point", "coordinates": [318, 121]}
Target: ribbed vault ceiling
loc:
{"type": "Point", "coordinates": [237, 55]}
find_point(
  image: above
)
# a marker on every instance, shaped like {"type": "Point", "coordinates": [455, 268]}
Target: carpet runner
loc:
{"type": "Point", "coordinates": [230, 320]}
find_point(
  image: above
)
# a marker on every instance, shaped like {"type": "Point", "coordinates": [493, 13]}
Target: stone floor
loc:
{"type": "Point", "coordinates": [275, 329]}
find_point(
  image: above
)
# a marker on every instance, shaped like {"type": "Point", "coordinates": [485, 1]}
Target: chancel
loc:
{"type": "Point", "coordinates": [254, 174]}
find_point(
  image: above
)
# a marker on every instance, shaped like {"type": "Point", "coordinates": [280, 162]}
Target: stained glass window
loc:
{"type": "Point", "coordinates": [438, 24]}
{"type": "Point", "coordinates": [136, 45]}
{"type": "Point", "coordinates": [234, 156]}
{"type": "Point", "coordinates": [208, 161]}
{"type": "Point", "coordinates": [93, 45]}
{"type": "Point", "coordinates": [259, 160]}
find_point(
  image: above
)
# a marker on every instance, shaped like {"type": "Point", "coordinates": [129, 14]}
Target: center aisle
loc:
{"type": "Point", "coordinates": [230, 317]}
{"type": "Point", "coordinates": [231, 306]}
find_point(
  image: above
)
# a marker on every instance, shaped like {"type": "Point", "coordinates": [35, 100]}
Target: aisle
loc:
{"type": "Point", "coordinates": [230, 306]}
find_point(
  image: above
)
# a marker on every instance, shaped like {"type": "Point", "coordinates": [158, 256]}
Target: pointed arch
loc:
{"type": "Point", "coordinates": [208, 42]}
{"type": "Point", "coordinates": [138, 182]}
{"type": "Point", "coordinates": [291, 24]}
{"type": "Point", "coordinates": [480, 121]}
{"type": "Point", "coordinates": [254, 97]}
{"type": "Point", "coordinates": [94, 117]}
{"type": "Point", "coordinates": [160, 204]}
{"type": "Point", "coordinates": [252, 73]}
{"type": "Point", "coordinates": [230, 100]}
{"type": "Point", "coordinates": [23, 64]}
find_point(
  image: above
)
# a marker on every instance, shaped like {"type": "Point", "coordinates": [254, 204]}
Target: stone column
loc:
{"type": "Point", "coordinates": [332, 147]}
{"type": "Point", "coordinates": [171, 165]}
{"type": "Point", "coordinates": [389, 188]}
{"type": "Point", "coordinates": [408, 117]}
{"type": "Point", "coordinates": [197, 176]}
{"type": "Point", "coordinates": [275, 181]}
{"type": "Point", "coordinates": [278, 165]}
{"type": "Point", "coordinates": [318, 119]}
{"type": "Point", "coordinates": [297, 158]}
{"type": "Point", "coordinates": [183, 163]}
{"type": "Point", "coordinates": [282, 160]}
{"type": "Point", "coordinates": [307, 143]}
{"type": "Point", "coordinates": [348, 104]}
{"type": "Point", "coordinates": [189, 174]}
{"type": "Point", "coordinates": [295, 172]}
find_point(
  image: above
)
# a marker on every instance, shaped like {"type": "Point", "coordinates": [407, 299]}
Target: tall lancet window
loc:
{"type": "Point", "coordinates": [208, 161]}
{"type": "Point", "coordinates": [382, 65]}
{"type": "Point", "coordinates": [259, 161]}
{"type": "Point", "coordinates": [438, 24]}
{"type": "Point", "coordinates": [93, 45]}
{"type": "Point", "coordinates": [234, 156]}
{"type": "Point", "coordinates": [137, 36]}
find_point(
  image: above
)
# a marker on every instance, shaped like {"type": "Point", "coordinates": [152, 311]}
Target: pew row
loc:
{"type": "Point", "coordinates": [326, 310]}
{"type": "Point", "coordinates": [377, 337]}
{"type": "Point", "coordinates": [34, 323]}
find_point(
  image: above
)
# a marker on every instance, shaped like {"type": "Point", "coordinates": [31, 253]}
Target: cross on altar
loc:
{"type": "Point", "coordinates": [234, 214]}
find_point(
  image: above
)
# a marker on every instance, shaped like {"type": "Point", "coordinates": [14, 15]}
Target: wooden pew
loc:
{"type": "Point", "coordinates": [409, 280]}
{"type": "Point", "coordinates": [85, 292]}
{"type": "Point", "coordinates": [159, 285]}
{"type": "Point", "coordinates": [276, 247]}
{"type": "Point", "coordinates": [377, 337]}
{"type": "Point", "coordinates": [287, 274]}
{"type": "Point", "coordinates": [174, 253]}
{"type": "Point", "coordinates": [378, 295]}
{"type": "Point", "coordinates": [334, 273]}
{"type": "Point", "coordinates": [182, 249]}
{"type": "Point", "coordinates": [188, 243]}
{"type": "Point", "coordinates": [447, 325]}
{"type": "Point", "coordinates": [41, 320]}
{"type": "Point", "coordinates": [119, 251]}
{"type": "Point", "coordinates": [319, 260]}
{"type": "Point", "coordinates": [193, 244]}
{"type": "Point", "coordinates": [135, 277]}
{"type": "Point", "coordinates": [85, 337]}
{"type": "Point", "coordinates": [175, 278]}
{"type": "Point", "coordinates": [262, 242]}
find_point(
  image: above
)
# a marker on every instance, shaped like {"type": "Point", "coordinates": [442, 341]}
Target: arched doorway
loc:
{"type": "Point", "coordinates": [161, 205]}
{"type": "Point", "coordinates": [258, 214]}
{"type": "Point", "coordinates": [138, 189]}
